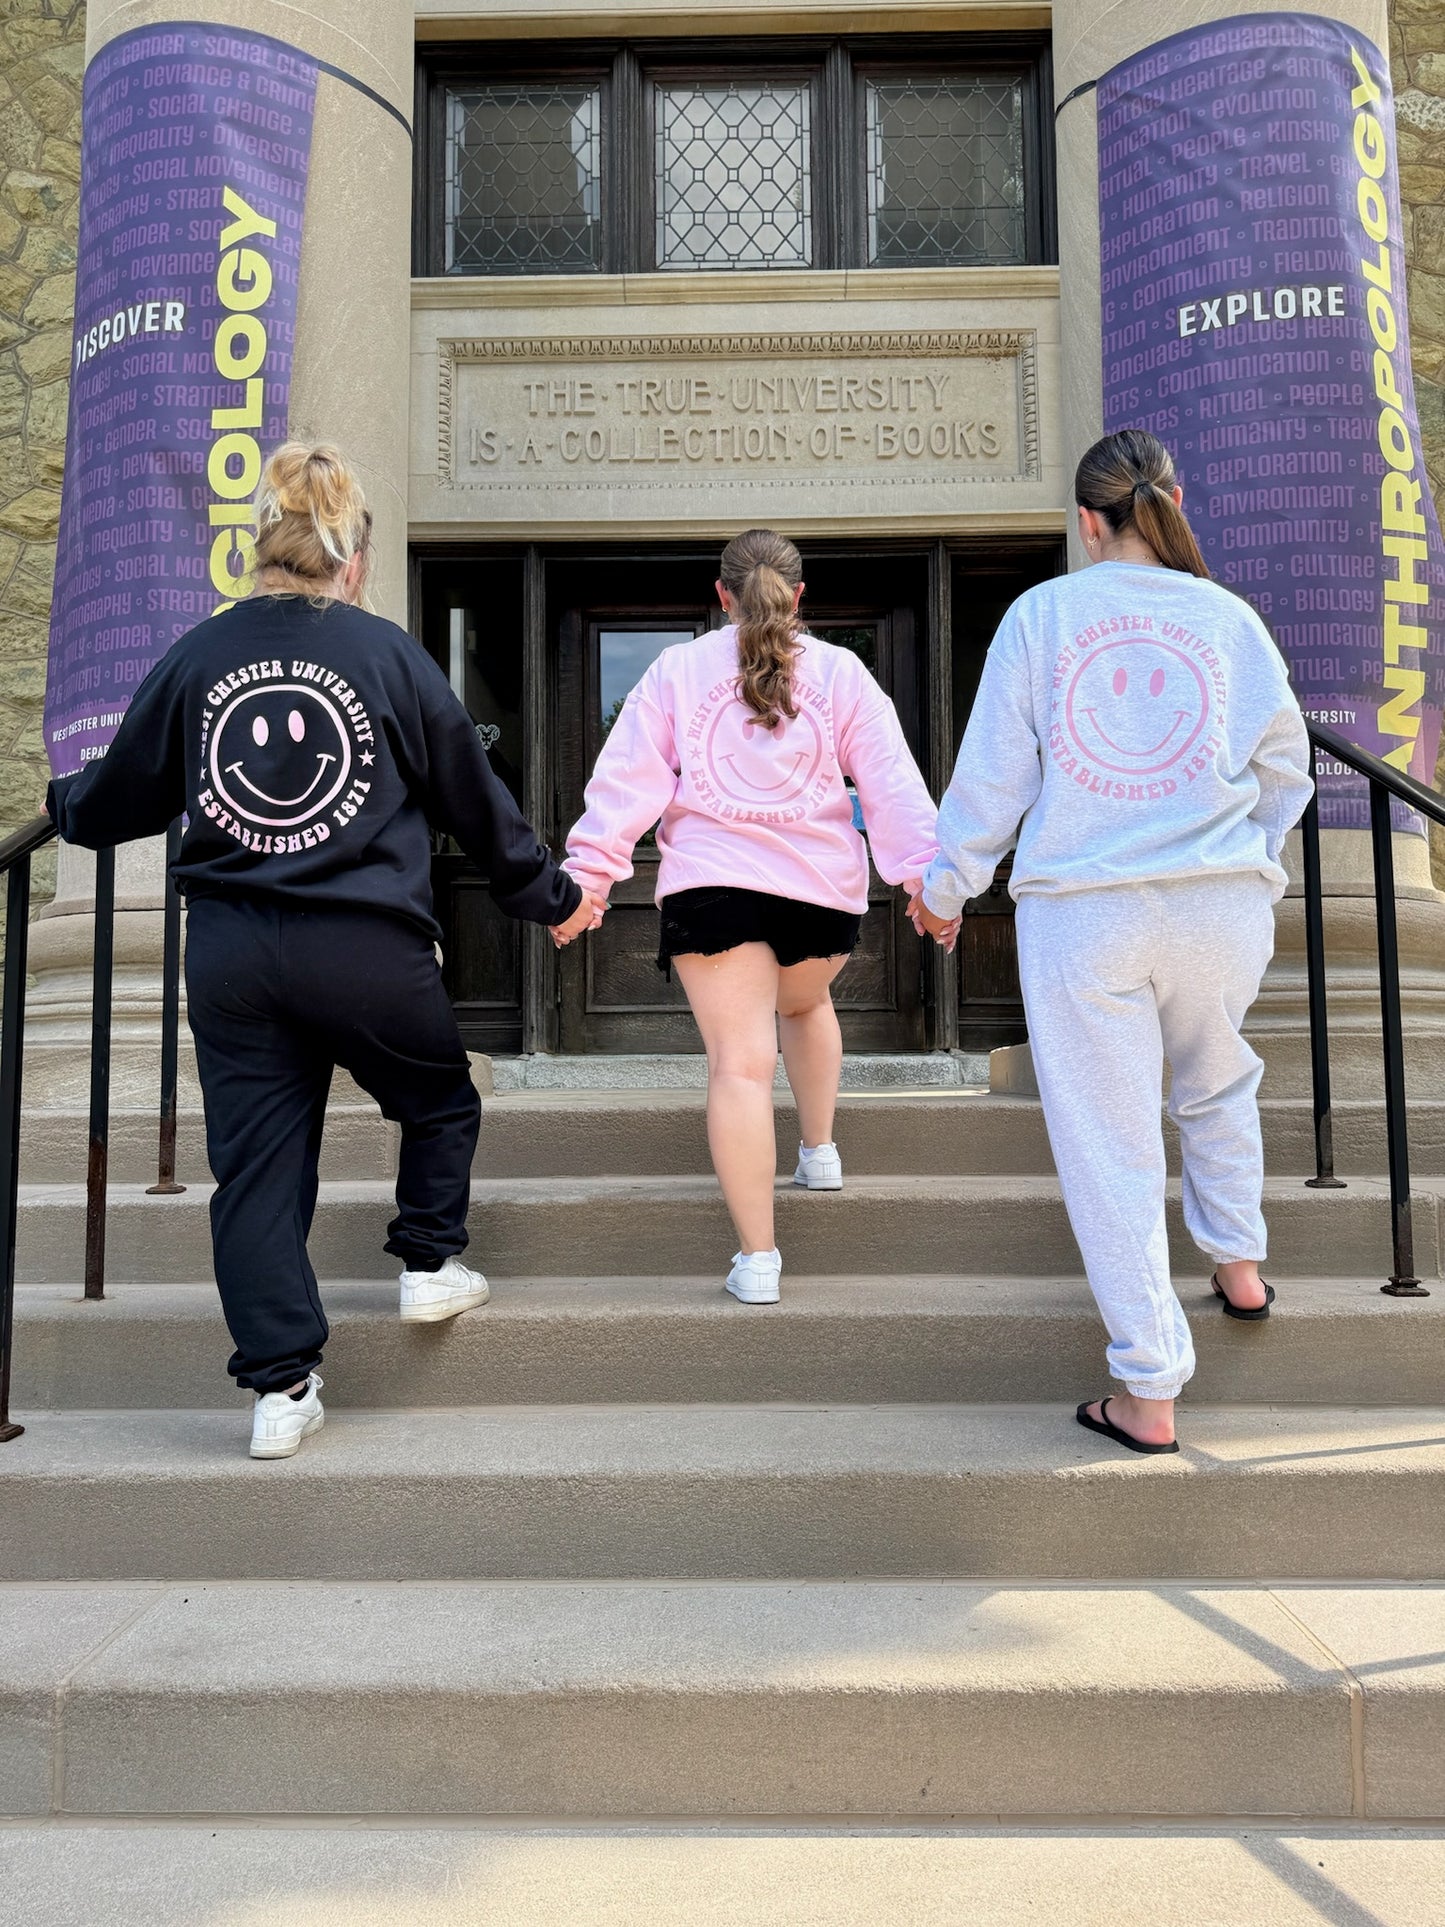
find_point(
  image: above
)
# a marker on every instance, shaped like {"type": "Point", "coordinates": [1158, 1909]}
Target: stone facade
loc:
{"type": "Point", "coordinates": [1417, 51]}
{"type": "Point", "coordinates": [41, 62]}
{"type": "Point", "coordinates": [42, 57]}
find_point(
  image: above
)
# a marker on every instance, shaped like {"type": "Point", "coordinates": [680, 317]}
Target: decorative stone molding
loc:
{"type": "Point", "coordinates": [772, 287]}
{"type": "Point", "coordinates": [824, 347]}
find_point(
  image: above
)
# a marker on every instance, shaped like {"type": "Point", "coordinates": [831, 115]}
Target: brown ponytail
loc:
{"type": "Point", "coordinates": [761, 570]}
{"type": "Point", "coordinates": [1128, 478]}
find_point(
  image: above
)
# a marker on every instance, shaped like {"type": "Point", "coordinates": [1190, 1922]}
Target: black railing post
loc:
{"type": "Point", "coordinates": [1403, 1282]}
{"type": "Point", "coordinates": [97, 1162]}
{"type": "Point", "coordinates": [12, 1053]}
{"type": "Point", "coordinates": [165, 1184]}
{"type": "Point", "coordinates": [1324, 1178]}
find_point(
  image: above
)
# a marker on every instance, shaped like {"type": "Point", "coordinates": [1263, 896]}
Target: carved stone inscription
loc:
{"type": "Point", "coordinates": [684, 416]}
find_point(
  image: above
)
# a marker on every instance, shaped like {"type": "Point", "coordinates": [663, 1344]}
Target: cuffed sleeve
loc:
{"type": "Point", "coordinates": [634, 781]}
{"type": "Point", "coordinates": [996, 779]}
{"type": "Point", "coordinates": [898, 813]}
{"type": "Point", "coordinates": [468, 800]}
{"type": "Point", "coordinates": [1282, 767]}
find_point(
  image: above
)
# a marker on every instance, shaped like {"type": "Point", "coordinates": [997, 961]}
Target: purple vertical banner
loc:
{"type": "Point", "coordinates": [1253, 282]}
{"type": "Point", "coordinates": [194, 153]}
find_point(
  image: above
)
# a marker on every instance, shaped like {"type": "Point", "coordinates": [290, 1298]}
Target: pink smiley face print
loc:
{"type": "Point", "coordinates": [1136, 706]}
{"type": "Point", "coordinates": [759, 769]}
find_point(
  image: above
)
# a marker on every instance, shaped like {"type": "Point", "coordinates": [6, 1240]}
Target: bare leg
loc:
{"type": "Point", "coordinates": [734, 998]}
{"type": "Point", "coordinates": [1150, 1420]}
{"type": "Point", "coordinates": [812, 1043]}
{"type": "Point", "coordinates": [1241, 1283]}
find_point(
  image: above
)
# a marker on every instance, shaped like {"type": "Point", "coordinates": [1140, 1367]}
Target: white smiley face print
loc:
{"type": "Point", "coordinates": [757, 768]}
{"type": "Point", "coordinates": [1136, 706]}
{"type": "Point", "coordinates": [279, 754]}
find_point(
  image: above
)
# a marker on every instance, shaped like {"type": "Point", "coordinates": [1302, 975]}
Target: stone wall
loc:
{"type": "Point", "coordinates": [1417, 49]}
{"type": "Point", "coordinates": [42, 57]}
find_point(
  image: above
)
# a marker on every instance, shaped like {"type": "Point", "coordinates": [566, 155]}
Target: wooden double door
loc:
{"type": "Point", "coordinates": [544, 646]}
{"type": "Point", "coordinates": [611, 619]}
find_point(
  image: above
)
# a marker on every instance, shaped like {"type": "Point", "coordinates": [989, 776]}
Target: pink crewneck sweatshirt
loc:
{"type": "Point", "coordinates": [759, 809]}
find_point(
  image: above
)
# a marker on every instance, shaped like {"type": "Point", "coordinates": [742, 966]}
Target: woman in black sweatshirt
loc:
{"type": "Point", "coordinates": [313, 747]}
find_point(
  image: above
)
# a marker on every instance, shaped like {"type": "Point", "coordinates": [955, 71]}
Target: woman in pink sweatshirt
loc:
{"type": "Point", "coordinates": [740, 746]}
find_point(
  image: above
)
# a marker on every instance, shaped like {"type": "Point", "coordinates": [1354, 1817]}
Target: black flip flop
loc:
{"type": "Point", "coordinates": [1250, 1315]}
{"type": "Point", "coordinates": [1107, 1430]}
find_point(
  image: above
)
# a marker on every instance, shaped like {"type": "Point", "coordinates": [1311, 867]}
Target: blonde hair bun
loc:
{"type": "Point", "coordinates": [311, 514]}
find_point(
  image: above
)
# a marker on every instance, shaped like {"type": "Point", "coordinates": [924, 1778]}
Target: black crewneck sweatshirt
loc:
{"type": "Point", "coordinates": [311, 747]}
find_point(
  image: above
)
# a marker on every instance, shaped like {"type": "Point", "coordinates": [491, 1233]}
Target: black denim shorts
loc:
{"type": "Point", "coordinates": [706, 922]}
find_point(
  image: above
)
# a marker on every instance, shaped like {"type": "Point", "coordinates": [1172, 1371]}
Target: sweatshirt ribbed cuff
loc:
{"type": "Point", "coordinates": [945, 907]}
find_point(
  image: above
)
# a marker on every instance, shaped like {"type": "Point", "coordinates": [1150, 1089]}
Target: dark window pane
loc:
{"type": "Point", "coordinates": [860, 637]}
{"type": "Point", "coordinates": [733, 183]}
{"type": "Point", "coordinates": [624, 655]}
{"type": "Point", "coordinates": [945, 171]}
{"type": "Point", "coordinates": [467, 606]}
{"type": "Point", "coordinates": [524, 179]}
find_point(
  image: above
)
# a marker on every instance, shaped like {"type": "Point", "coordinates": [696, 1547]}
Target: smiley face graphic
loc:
{"type": "Point", "coordinates": [1136, 706]}
{"type": "Point", "coordinates": [279, 754]}
{"type": "Point", "coordinates": [760, 769]}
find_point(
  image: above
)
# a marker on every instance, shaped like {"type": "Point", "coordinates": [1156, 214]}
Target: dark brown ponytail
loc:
{"type": "Point", "coordinates": [1128, 478]}
{"type": "Point", "coordinates": [761, 570]}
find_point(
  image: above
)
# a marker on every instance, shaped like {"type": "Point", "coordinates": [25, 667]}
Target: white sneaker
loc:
{"type": "Point", "coordinates": [755, 1280]}
{"type": "Point", "coordinates": [820, 1169]}
{"type": "Point", "coordinates": [280, 1422]}
{"type": "Point", "coordinates": [427, 1296]}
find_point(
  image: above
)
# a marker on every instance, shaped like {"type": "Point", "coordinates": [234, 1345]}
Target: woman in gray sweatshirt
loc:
{"type": "Point", "coordinates": [1136, 737]}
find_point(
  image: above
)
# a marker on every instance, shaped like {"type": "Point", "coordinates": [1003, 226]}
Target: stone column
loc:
{"type": "Point", "coordinates": [1089, 39]}
{"type": "Point", "coordinates": [348, 385]}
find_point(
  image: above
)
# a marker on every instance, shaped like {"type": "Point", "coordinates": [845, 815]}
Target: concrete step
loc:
{"type": "Point", "coordinates": [359, 1143]}
{"type": "Point", "coordinates": [399, 1874]}
{"type": "Point", "coordinates": [606, 1072]}
{"type": "Point", "coordinates": [570, 1341]}
{"type": "Point", "coordinates": [907, 1700]}
{"type": "Point", "coordinates": [925, 1133]}
{"type": "Point", "coordinates": [733, 1492]}
{"type": "Point", "coordinates": [622, 1227]}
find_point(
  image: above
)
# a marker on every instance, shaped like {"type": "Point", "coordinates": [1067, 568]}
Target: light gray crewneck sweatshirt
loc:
{"type": "Point", "coordinates": [1133, 723]}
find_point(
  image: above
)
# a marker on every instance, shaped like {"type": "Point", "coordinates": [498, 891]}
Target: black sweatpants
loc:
{"type": "Point", "coordinates": [278, 997]}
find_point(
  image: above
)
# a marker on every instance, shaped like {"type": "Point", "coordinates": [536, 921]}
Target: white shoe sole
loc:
{"type": "Point", "coordinates": [288, 1448]}
{"type": "Point", "coordinates": [822, 1184]}
{"type": "Point", "coordinates": [445, 1308]}
{"type": "Point", "coordinates": [768, 1295]}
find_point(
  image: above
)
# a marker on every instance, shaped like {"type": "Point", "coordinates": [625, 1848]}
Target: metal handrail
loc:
{"type": "Point", "coordinates": [1385, 784]}
{"type": "Point", "coordinates": [25, 841]}
{"type": "Point", "coordinates": [16, 851]}
{"type": "Point", "coordinates": [1405, 788]}
{"type": "Point", "coordinates": [165, 1185]}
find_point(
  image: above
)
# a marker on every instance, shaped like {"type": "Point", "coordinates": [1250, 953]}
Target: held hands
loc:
{"type": "Point", "coordinates": [587, 916]}
{"type": "Point", "coordinates": [925, 922]}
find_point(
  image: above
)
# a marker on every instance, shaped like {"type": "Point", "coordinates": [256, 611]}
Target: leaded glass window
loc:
{"type": "Point", "coordinates": [733, 175]}
{"type": "Point", "coordinates": [626, 157]}
{"type": "Point", "coordinates": [945, 171]}
{"type": "Point", "coordinates": [524, 179]}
